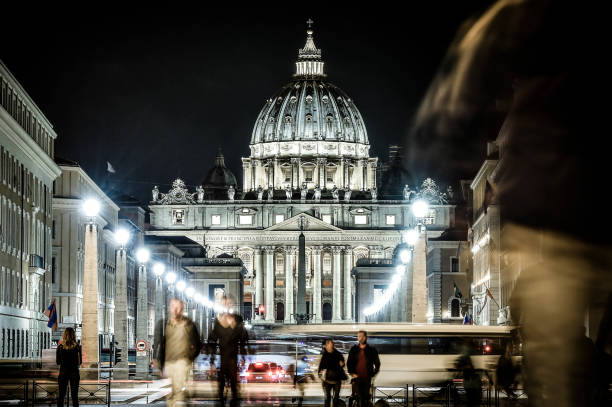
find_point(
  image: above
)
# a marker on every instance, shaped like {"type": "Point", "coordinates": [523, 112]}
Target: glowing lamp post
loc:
{"type": "Point", "coordinates": [122, 237]}
{"type": "Point", "coordinates": [89, 331]}
{"type": "Point", "coordinates": [418, 238]}
{"type": "Point", "coordinates": [142, 314]}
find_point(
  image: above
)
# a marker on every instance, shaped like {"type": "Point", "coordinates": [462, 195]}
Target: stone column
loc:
{"type": "Point", "coordinates": [364, 174]}
{"type": "Point", "coordinates": [270, 173]}
{"type": "Point", "coordinates": [321, 162]}
{"type": "Point", "coordinates": [159, 299]}
{"type": "Point", "coordinates": [269, 283]}
{"type": "Point", "coordinates": [89, 329]}
{"type": "Point", "coordinates": [289, 291]}
{"type": "Point", "coordinates": [253, 174]}
{"type": "Point", "coordinates": [347, 181]}
{"type": "Point", "coordinates": [121, 317]}
{"type": "Point", "coordinates": [419, 279]}
{"type": "Point", "coordinates": [316, 285]}
{"type": "Point", "coordinates": [142, 317]}
{"type": "Point", "coordinates": [259, 279]}
{"type": "Point", "coordinates": [348, 285]}
{"type": "Point", "coordinates": [337, 284]}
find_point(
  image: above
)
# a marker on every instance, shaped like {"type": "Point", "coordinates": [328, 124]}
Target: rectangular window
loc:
{"type": "Point", "coordinates": [246, 219]}
{"type": "Point", "coordinates": [178, 216]}
{"type": "Point", "coordinates": [390, 219]}
{"type": "Point", "coordinates": [308, 175]}
{"type": "Point", "coordinates": [327, 218]}
{"type": "Point", "coordinates": [361, 220]}
{"type": "Point", "coordinates": [215, 220]}
{"type": "Point", "coordinates": [454, 264]}
{"type": "Point", "coordinates": [279, 218]}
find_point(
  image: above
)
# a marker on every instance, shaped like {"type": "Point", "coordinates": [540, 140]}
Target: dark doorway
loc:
{"type": "Point", "coordinates": [327, 312]}
{"type": "Point", "coordinates": [280, 312]}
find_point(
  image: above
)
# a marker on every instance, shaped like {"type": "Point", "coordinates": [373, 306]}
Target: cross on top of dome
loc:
{"type": "Point", "coordinates": [309, 61]}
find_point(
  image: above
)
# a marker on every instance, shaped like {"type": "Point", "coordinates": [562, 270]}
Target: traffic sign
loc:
{"type": "Point", "coordinates": [141, 345]}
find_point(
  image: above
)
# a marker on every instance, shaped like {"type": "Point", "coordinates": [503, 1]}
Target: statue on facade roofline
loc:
{"type": "Point", "coordinates": [270, 194]}
{"type": "Point", "coordinates": [407, 193]}
{"type": "Point", "coordinates": [317, 193]}
{"type": "Point", "coordinates": [374, 193]}
{"type": "Point", "coordinates": [347, 194]}
{"type": "Point", "coordinates": [231, 192]}
{"type": "Point", "coordinates": [303, 191]}
{"type": "Point", "coordinates": [259, 193]}
{"type": "Point", "coordinates": [155, 193]}
{"type": "Point", "coordinates": [200, 194]}
{"type": "Point", "coordinates": [288, 192]}
{"type": "Point", "coordinates": [335, 194]}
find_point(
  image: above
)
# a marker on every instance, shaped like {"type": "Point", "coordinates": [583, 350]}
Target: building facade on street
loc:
{"type": "Point", "coordinates": [27, 173]}
{"type": "Point", "coordinates": [309, 168]}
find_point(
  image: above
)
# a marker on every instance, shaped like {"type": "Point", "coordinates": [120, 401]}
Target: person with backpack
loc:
{"type": "Point", "coordinates": [331, 371]}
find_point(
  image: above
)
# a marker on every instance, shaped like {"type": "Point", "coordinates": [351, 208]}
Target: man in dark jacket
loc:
{"type": "Point", "coordinates": [175, 348]}
{"type": "Point", "coordinates": [230, 336]}
{"type": "Point", "coordinates": [363, 364]}
{"type": "Point", "coordinates": [331, 368]}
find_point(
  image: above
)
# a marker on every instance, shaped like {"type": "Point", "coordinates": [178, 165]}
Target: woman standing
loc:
{"type": "Point", "coordinates": [69, 358]}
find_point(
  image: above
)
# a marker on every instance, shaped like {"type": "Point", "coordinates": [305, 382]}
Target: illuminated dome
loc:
{"type": "Point", "coordinates": [306, 110]}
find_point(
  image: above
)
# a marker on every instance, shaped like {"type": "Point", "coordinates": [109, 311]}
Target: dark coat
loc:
{"type": "Point", "coordinates": [69, 360]}
{"type": "Point", "coordinates": [331, 363]}
{"type": "Point", "coordinates": [372, 360]}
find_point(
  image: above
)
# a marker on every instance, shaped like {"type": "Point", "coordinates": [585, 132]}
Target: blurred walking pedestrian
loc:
{"type": "Point", "coordinates": [230, 335]}
{"type": "Point", "coordinates": [331, 371]}
{"type": "Point", "coordinates": [471, 378]}
{"type": "Point", "coordinates": [69, 357]}
{"type": "Point", "coordinates": [363, 364]}
{"type": "Point", "coordinates": [505, 373]}
{"type": "Point", "coordinates": [176, 346]}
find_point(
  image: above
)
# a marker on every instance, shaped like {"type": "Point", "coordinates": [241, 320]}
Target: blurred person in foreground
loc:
{"type": "Point", "coordinates": [472, 382]}
{"type": "Point", "coordinates": [230, 335]}
{"type": "Point", "coordinates": [535, 62]}
{"type": "Point", "coordinates": [177, 344]}
{"type": "Point", "coordinates": [362, 364]}
{"type": "Point", "coordinates": [331, 371]}
{"type": "Point", "coordinates": [69, 357]}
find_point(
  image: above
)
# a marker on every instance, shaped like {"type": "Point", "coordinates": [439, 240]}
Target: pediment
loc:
{"type": "Point", "coordinates": [311, 224]}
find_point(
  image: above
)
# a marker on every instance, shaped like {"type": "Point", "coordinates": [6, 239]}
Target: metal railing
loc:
{"type": "Point", "coordinates": [89, 392]}
{"type": "Point", "coordinates": [449, 394]}
{"type": "Point", "coordinates": [14, 393]}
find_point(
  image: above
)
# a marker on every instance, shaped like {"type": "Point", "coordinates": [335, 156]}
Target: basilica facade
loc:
{"type": "Point", "coordinates": [309, 171]}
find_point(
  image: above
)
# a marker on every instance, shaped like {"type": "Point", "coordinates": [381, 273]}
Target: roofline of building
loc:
{"type": "Point", "coordinates": [15, 83]}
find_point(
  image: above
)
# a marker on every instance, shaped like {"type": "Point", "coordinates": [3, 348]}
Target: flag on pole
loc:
{"type": "Point", "coordinates": [457, 293]}
{"type": "Point", "coordinates": [51, 312]}
{"type": "Point", "coordinates": [110, 168]}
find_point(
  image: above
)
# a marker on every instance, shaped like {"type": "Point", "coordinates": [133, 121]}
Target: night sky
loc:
{"type": "Point", "coordinates": [156, 92]}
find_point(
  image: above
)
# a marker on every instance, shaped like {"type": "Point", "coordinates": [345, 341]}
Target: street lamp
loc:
{"type": "Point", "coordinates": [420, 208]}
{"type": "Point", "coordinates": [122, 237]}
{"type": "Point", "coordinates": [142, 255]}
{"type": "Point", "coordinates": [159, 268]}
{"type": "Point", "coordinates": [91, 207]}
{"type": "Point", "coordinates": [180, 285]}
{"type": "Point", "coordinates": [189, 291]}
{"type": "Point", "coordinates": [90, 316]}
{"type": "Point", "coordinates": [170, 277]}
{"type": "Point", "coordinates": [142, 312]}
